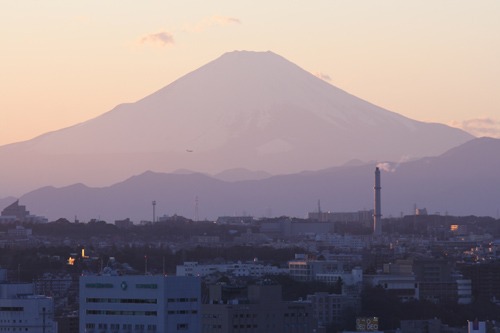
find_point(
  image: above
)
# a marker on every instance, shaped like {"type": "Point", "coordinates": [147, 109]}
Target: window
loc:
{"type": "Point", "coordinates": [182, 327]}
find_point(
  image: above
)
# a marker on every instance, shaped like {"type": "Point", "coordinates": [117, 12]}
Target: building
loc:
{"type": "Point", "coordinates": [438, 283]}
{"type": "Point", "coordinates": [139, 303]}
{"type": "Point", "coordinates": [235, 220]}
{"type": "Point", "coordinates": [303, 268]}
{"type": "Point", "coordinates": [238, 269]}
{"type": "Point", "coordinates": [485, 283]}
{"type": "Point", "coordinates": [18, 213]}
{"type": "Point", "coordinates": [124, 224]}
{"type": "Point", "coordinates": [364, 217]}
{"type": "Point", "coordinates": [403, 287]}
{"type": "Point", "coordinates": [426, 279]}
{"type": "Point", "coordinates": [329, 271]}
{"type": "Point", "coordinates": [289, 228]}
{"type": "Point", "coordinates": [421, 326]}
{"type": "Point", "coordinates": [331, 308]}
{"type": "Point", "coordinates": [20, 232]}
{"type": "Point", "coordinates": [63, 289]}
{"type": "Point", "coordinates": [68, 324]}
{"type": "Point", "coordinates": [23, 311]}
{"type": "Point", "coordinates": [476, 326]}
{"type": "Point", "coordinates": [254, 309]}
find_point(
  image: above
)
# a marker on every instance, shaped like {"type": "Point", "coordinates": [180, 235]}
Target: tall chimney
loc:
{"type": "Point", "coordinates": [377, 212]}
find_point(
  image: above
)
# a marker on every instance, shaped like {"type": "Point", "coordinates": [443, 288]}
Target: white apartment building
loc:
{"type": "Point", "coordinates": [139, 304]}
{"type": "Point", "coordinates": [254, 269]}
{"type": "Point", "coordinates": [22, 311]}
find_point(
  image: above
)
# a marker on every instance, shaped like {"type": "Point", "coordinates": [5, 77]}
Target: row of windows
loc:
{"type": "Point", "coordinates": [300, 314]}
{"type": "Point", "coordinates": [219, 326]}
{"type": "Point", "coordinates": [327, 306]}
{"type": "Point", "coordinates": [19, 329]}
{"type": "Point", "coordinates": [110, 285]}
{"type": "Point", "coordinates": [181, 300]}
{"type": "Point", "coordinates": [171, 312]}
{"type": "Point", "coordinates": [123, 300]}
{"type": "Point", "coordinates": [243, 315]}
{"type": "Point", "coordinates": [212, 315]}
{"type": "Point", "coordinates": [137, 327]}
{"type": "Point", "coordinates": [247, 326]}
{"type": "Point", "coordinates": [12, 308]}
{"type": "Point", "coordinates": [121, 313]}
{"type": "Point", "coordinates": [99, 285]}
{"type": "Point", "coordinates": [254, 315]}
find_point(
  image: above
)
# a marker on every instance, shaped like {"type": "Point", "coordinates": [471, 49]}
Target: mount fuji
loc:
{"type": "Point", "coordinates": [252, 110]}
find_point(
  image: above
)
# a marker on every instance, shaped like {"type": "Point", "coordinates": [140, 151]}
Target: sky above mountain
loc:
{"type": "Point", "coordinates": [64, 62]}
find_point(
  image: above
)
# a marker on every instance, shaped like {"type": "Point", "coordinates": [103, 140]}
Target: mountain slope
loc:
{"type": "Point", "coordinates": [449, 183]}
{"type": "Point", "coordinates": [252, 110]}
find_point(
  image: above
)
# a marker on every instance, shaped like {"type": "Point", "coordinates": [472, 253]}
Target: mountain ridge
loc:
{"type": "Point", "coordinates": [254, 110]}
{"type": "Point", "coordinates": [436, 183]}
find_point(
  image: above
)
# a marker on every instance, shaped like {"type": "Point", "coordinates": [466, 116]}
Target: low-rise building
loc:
{"type": "Point", "coordinates": [331, 308]}
{"type": "Point", "coordinates": [23, 311]}
{"type": "Point", "coordinates": [139, 303]}
{"type": "Point", "coordinates": [238, 269]}
{"type": "Point", "coordinates": [257, 309]}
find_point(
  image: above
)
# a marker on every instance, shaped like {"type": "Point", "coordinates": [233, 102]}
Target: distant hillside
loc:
{"type": "Point", "coordinates": [462, 181]}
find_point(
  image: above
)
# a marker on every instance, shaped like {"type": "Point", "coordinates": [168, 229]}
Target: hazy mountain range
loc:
{"type": "Point", "coordinates": [463, 181]}
{"type": "Point", "coordinates": [248, 110]}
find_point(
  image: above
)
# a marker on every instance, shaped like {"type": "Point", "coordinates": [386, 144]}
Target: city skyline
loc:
{"type": "Point", "coordinates": [65, 63]}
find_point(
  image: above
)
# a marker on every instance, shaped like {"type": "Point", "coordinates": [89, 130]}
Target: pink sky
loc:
{"type": "Point", "coordinates": [64, 62]}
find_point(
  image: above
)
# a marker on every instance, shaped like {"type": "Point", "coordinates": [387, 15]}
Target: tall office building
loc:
{"type": "Point", "coordinates": [139, 303]}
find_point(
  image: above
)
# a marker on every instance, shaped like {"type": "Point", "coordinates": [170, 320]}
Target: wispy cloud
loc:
{"type": "Point", "coordinates": [323, 76]}
{"type": "Point", "coordinates": [162, 38]}
{"type": "Point", "coordinates": [386, 166]}
{"type": "Point", "coordinates": [212, 21]}
{"type": "Point", "coordinates": [480, 127]}
{"type": "Point", "coordinates": [391, 166]}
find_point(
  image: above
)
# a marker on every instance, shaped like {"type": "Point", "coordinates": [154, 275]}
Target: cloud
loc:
{"type": "Point", "coordinates": [212, 21]}
{"type": "Point", "coordinates": [480, 127]}
{"type": "Point", "coordinates": [162, 38]}
{"type": "Point", "coordinates": [391, 166]}
{"type": "Point", "coordinates": [385, 166]}
{"type": "Point", "coordinates": [323, 76]}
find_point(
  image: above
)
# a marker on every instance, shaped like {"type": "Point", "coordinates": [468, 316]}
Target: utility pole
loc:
{"type": "Point", "coordinates": [154, 212]}
{"type": "Point", "coordinates": [196, 217]}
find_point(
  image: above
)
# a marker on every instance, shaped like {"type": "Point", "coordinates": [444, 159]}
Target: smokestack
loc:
{"type": "Point", "coordinates": [377, 212]}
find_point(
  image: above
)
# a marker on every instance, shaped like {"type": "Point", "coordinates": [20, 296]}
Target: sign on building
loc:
{"type": "Point", "coordinates": [367, 324]}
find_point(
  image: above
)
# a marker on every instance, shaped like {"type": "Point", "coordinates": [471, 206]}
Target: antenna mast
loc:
{"type": "Point", "coordinates": [196, 209]}
{"type": "Point", "coordinates": [154, 212]}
